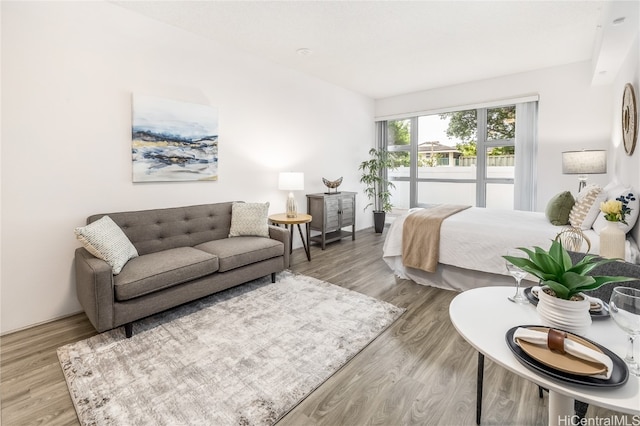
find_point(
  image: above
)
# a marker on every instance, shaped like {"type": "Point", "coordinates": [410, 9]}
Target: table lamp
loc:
{"type": "Point", "coordinates": [583, 163]}
{"type": "Point", "coordinates": [291, 181]}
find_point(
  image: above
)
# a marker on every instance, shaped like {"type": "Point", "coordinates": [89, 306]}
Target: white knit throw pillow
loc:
{"type": "Point", "coordinates": [249, 219]}
{"type": "Point", "coordinates": [587, 206]}
{"type": "Point", "coordinates": [105, 240]}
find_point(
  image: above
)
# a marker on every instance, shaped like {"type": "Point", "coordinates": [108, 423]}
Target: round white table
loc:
{"type": "Point", "coordinates": [483, 316]}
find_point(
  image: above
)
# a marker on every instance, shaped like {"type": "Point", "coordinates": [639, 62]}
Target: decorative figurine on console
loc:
{"type": "Point", "coordinates": [332, 184]}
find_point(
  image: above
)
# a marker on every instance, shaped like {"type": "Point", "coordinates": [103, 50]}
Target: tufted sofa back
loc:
{"type": "Point", "coordinates": [151, 231]}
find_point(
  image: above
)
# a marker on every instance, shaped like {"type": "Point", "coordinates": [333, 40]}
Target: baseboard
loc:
{"type": "Point", "coordinates": [5, 333]}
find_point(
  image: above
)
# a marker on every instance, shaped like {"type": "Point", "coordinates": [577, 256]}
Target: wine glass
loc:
{"type": "Point", "coordinates": [624, 308]}
{"type": "Point", "coordinates": [518, 274]}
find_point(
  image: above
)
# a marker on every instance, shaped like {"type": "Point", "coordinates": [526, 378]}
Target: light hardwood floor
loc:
{"type": "Point", "coordinates": [419, 371]}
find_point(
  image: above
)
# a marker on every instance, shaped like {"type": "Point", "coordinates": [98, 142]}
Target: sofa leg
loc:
{"type": "Point", "coordinates": [273, 277]}
{"type": "Point", "coordinates": [128, 330]}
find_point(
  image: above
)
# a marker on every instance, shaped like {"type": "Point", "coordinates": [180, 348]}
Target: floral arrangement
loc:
{"type": "Point", "coordinates": [616, 210]}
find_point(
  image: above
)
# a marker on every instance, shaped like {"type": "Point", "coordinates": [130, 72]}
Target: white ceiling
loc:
{"type": "Point", "coordinates": [387, 48]}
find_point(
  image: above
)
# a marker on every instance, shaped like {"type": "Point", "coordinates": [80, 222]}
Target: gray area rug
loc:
{"type": "Point", "coordinates": [245, 356]}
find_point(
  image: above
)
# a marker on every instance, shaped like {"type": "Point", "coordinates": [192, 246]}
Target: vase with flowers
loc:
{"type": "Point", "coordinates": [612, 237]}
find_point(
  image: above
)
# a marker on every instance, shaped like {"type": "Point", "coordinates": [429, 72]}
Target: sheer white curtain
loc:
{"type": "Point", "coordinates": [381, 134]}
{"type": "Point", "coordinates": [526, 156]}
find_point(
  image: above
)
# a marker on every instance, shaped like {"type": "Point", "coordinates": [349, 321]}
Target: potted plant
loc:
{"type": "Point", "coordinates": [562, 302]}
{"type": "Point", "coordinates": [377, 185]}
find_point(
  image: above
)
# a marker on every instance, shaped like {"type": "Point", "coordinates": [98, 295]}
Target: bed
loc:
{"type": "Point", "coordinates": [472, 242]}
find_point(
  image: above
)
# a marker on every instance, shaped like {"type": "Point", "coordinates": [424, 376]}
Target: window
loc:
{"type": "Point", "coordinates": [462, 157]}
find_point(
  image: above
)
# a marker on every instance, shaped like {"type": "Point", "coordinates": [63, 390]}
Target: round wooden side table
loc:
{"type": "Point", "coordinates": [288, 222]}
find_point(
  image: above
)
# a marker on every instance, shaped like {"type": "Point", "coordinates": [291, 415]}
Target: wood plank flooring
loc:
{"type": "Point", "coordinates": [418, 372]}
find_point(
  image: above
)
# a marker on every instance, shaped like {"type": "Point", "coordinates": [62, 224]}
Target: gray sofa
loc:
{"type": "Point", "coordinates": [185, 253]}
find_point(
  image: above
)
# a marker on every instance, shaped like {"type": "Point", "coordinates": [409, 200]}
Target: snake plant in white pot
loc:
{"type": "Point", "coordinates": [562, 302]}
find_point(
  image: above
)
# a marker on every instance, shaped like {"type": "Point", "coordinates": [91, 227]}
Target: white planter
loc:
{"type": "Point", "coordinates": [569, 315]}
{"type": "Point", "coordinates": [612, 239]}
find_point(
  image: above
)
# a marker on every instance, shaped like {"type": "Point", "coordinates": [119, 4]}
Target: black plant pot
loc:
{"type": "Point", "coordinates": [378, 221]}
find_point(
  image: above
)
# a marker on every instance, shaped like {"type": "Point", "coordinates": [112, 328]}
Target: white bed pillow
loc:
{"type": "Point", "coordinates": [587, 207]}
{"type": "Point", "coordinates": [614, 191]}
{"type": "Point", "coordinates": [105, 240]}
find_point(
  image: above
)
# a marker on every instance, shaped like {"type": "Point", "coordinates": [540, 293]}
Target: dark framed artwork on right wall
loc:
{"type": "Point", "coordinates": [629, 119]}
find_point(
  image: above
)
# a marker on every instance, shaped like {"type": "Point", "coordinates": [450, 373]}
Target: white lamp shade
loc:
{"type": "Point", "coordinates": [291, 181]}
{"type": "Point", "coordinates": [584, 162]}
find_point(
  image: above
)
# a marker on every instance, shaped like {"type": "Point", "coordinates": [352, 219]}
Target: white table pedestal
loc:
{"type": "Point", "coordinates": [560, 408]}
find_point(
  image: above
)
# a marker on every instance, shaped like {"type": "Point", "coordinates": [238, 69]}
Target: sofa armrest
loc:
{"type": "Point", "coordinates": [282, 235]}
{"type": "Point", "coordinates": [94, 287]}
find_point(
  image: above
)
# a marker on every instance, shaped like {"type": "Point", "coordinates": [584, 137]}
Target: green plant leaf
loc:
{"type": "Point", "coordinates": [524, 264]}
{"type": "Point", "coordinates": [590, 264]}
{"type": "Point", "coordinates": [583, 264]}
{"type": "Point", "coordinates": [602, 280]}
{"type": "Point", "coordinates": [547, 263]}
{"type": "Point", "coordinates": [576, 282]}
{"type": "Point", "coordinates": [529, 266]}
{"type": "Point", "coordinates": [526, 250]}
{"type": "Point", "coordinates": [557, 251]}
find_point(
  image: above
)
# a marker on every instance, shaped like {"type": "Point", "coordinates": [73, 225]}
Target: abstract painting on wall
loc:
{"type": "Point", "coordinates": [173, 140]}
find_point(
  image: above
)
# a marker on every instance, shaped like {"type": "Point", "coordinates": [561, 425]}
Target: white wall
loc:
{"type": "Point", "coordinates": [68, 72]}
{"type": "Point", "coordinates": [572, 115]}
{"type": "Point", "coordinates": [626, 169]}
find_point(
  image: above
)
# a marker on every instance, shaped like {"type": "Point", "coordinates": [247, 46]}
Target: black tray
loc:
{"type": "Point", "coordinates": [619, 376]}
{"type": "Point", "coordinates": [602, 314]}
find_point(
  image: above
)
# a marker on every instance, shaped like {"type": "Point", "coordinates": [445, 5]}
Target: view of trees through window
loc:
{"type": "Point", "coordinates": [463, 125]}
{"type": "Point", "coordinates": [446, 167]}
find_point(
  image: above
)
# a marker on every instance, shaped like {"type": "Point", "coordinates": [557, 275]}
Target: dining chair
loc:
{"type": "Point", "coordinates": [572, 239]}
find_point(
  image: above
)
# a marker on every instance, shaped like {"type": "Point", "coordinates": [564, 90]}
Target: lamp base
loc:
{"type": "Point", "coordinates": [582, 182]}
{"type": "Point", "coordinates": [292, 206]}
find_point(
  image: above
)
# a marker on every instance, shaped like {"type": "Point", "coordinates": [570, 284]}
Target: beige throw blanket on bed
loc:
{"type": "Point", "coordinates": [421, 236]}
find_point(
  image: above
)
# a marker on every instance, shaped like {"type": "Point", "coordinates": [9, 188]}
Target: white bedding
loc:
{"type": "Point", "coordinates": [476, 238]}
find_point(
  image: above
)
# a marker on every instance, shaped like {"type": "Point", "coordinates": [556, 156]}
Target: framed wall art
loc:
{"type": "Point", "coordinates": [173, 140]}
{"type": "Point", "coordinates": [629, 119]}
